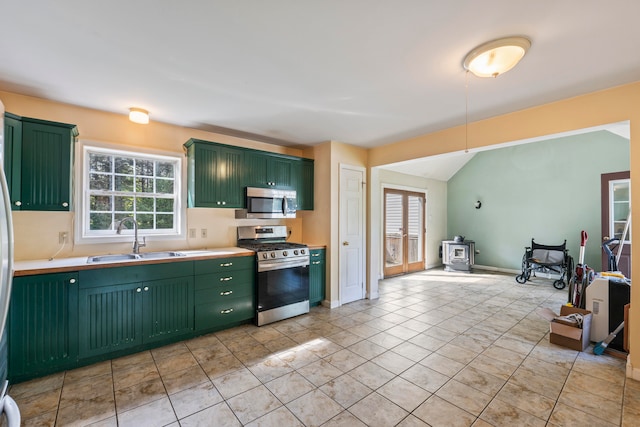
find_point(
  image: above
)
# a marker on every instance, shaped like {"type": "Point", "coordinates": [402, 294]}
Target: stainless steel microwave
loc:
{"type": "Point", "coordinates": [270, 203]}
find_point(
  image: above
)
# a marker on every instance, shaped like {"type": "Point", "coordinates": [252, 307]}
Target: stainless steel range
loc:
{"type": "Point", "coordinates": [282, 284]}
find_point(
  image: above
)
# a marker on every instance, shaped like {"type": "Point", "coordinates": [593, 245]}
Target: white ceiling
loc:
{"type": "Point", "coordinates": [363, 72]}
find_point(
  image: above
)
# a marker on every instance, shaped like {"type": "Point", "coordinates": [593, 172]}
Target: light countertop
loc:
{"type": "Point", "coordinates": [59, 265]}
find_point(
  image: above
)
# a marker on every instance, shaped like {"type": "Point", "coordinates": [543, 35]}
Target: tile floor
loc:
{"type": "Point", "coordinates": [436, 349]}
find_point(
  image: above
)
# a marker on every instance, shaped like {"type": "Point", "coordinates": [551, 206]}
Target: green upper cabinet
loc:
{"type": "Point", "coordinates": [218, 174]}
{"type": "Point", "coordinates": [267, 170]}
{"type": "Point", "coordinates": [304, 184]}
{"type": "Point", "coordinates": [215, 175]}
{"type": "Point", "coordinates": [38, 163]}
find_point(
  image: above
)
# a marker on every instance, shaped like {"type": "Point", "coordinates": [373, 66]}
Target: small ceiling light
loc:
{"type": "Point", "coordinates": [496, 57]}
{"type": "Point", "coordinates": [138, 115]}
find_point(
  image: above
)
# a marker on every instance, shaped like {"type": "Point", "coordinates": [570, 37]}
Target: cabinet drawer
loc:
{"type": "Point", "coordinates": [224, 293]}
{"type": "Point", "coordinates": [227, 279]}
{"type": "Point", "coordinates": [134, 273]}
{"type": "Point", "coordinates": [220, 313]}
{"type": "Point", "coordinates": [317, 254]}
{"type": "Point", "coordinates": [224, 264]}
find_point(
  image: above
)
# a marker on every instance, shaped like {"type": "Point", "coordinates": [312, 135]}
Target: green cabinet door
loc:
{"type": "Point", "coordinates": [317, 276]}
{"type": "Point", "coordinates": [215, 175]}
{"type": "Point", "coordinates": [111, 318]}
{"type": "Point", "coordinates": [167, 307]}
{"type": "Point", "coordinates": [43, 325]}
{"type": "Point", "coordinates": [303, 183]}
{"type": "Point", "coordinates": [46, 151]}
{"type": "Point", "coordinates": [266, 170]}
{"type": "Point", "coordinates": [12, 156]}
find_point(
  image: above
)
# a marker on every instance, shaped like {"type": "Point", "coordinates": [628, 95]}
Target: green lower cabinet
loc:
{"type": "Point", "coordinates": [224, 292]}
{"type": "Point", "coordinates": [317, 276]}
{"type": "Point", "coordinates": [119, 317]}
{"type": "Point", "coordinates": [111, 319]}
{"type": "Point", "coordinates": [43, 325]}
{"type": "Point", "coordinates": [167, 308]}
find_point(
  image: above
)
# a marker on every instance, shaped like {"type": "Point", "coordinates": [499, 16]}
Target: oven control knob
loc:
{"type": "Point", "coordinates": [273, 254]}
{"type": "Point", "coordinates": [302, 251]}
{"type": "Point", "coordinates": [284, 253]}
{"type": "Point", "coordinates": [295, 252]}
{"type": "Point", "coordinates": [264, 255]}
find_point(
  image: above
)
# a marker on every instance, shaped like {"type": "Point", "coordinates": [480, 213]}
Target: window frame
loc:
{"type": "Point", "coordinates": [84, 236]}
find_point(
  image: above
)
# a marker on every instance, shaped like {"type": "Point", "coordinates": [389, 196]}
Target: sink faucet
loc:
{"type": "Point", "coordinates": [136, 244]}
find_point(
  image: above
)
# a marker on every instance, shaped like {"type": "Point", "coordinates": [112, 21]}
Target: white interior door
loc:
{"type": "Point", "coordinates": [352, 234]}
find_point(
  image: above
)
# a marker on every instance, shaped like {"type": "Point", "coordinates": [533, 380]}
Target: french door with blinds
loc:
{"type": "Point", "coordinates": [404, 213]}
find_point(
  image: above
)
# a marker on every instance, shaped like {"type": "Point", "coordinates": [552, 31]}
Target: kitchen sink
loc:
{"type": "Point", "coordinates": [127, 257]}
{"type": "Point", "coordinates": [111, 258]}
{"type": "Point", "coordinates": [161, 254]}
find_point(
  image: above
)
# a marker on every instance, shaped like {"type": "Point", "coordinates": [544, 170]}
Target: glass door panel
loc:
{"type": "Point", "coordinates": [415, 227]}
{"type": "Point", "coordinates": [404, 214]}
{"type": "Point", "coordinates": [393, 231]}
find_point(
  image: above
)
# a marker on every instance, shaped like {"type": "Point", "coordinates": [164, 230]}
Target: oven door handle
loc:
{"type": "Point", "coordinates": [270, 266]}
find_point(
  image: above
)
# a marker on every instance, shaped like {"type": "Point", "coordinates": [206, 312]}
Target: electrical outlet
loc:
{"type": "Point", "coordinates": [203, 233]}
{"type": "Point", "coordinates": [62, 237]}
{"type": "Point", "coordinates": [192, 233]}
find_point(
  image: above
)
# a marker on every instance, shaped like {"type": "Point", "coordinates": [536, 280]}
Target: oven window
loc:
{"type": "Point", "coordinates": [277, 288]}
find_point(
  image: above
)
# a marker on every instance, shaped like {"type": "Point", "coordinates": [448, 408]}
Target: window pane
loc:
{"type": "Point", "coordinates": [144, 167]}
{"type": "Point", "coordinates": [100, 221]}
{"type": "Point", "coordinates": [124, 183]}
{"type": "Point", "coordinates": [164, 186]}
{"type": "Point", "coordinates": [164, 169]}
{"type": "Point", "coordinates": [99, 163]}
{"type": "Point", "coordinates": [124, 165]}
{"type": "Point", "coordinates": [144, 185]}
{"type": "Point", "coordinates": [144, 204]}
{"type": "Point", "coordinates": [145, 221]}
{"type": "Point", "coordinates": [123, 203]}
{"type": "Point", "coordinates": [100, 203]}
{"type": "Point", "coordinates": [99, 182]}
{"type": "Point", "coordinates": [164, 221]}
{"type": "Point", "coordinates": [164, 205]}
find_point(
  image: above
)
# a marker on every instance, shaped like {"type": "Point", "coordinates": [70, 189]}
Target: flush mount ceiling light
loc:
{"type": "Point", "coordinates": [496, 57]}
{"type": "Point", "coordinates": [138, 115]}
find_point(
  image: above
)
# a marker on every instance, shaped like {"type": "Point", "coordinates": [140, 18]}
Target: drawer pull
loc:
{"type": "Point", "coordinates": [315, 254]}
{"type": "Point", "coordinates": [226, 293]}
{"type": "Point", "coordinates": [226, 264]}
{"type": "Point", "coordinates": [227, 311]}
{"type": "Point", "coordinates": [315, 262]}
{"type": "Point", "coordinates": [226, 279]}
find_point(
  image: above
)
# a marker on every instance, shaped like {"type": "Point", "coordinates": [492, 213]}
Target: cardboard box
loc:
{"type": "Point", "coordinates": [570, 336]}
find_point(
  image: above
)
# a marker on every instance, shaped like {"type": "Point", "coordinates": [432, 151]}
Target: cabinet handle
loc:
{"type": "Point", "coordinates": [315, 262]}
{"type": "Point", "coordinates": [65, 204]}
{"type": "Point", "coordinates": [226, 279]}
{"type": "Point", "coordinates": [224, 203]}
{"type": "Point", "coordinates": [226, 264]}
{"type": "Point", "coordinates": [72, 281]}
{"type": "Point", "coordinates": [226, 293]}
{"type": "Point", "coordinates": [218, 202]}
{"type": "Point", "coordinates": [315, 254]}
{"type": "Point", "coordinates": [18, 203]}
{"type": "Point", "coordinates": [138, 290]}
{"type": "Point", "coordinates": [227, 311]}
{"type": "Point", "coordinates": [146, 288]}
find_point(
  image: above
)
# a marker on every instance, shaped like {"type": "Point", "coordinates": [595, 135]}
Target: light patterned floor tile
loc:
{"type": "Point", "coordinates": [194, 399]}
{"type": "Point", "coordinates": [314, 408]}
{"type": "Point", "coordinates": [375, 410]}
{"type": "Point", "coordinates": [253, 404]}
{"type": "Point", "coordinates": [437, 412]}
{"type": "Point", "coordinates": [290, 386]}
{"type": "Point", "coordinates": [345, 390]}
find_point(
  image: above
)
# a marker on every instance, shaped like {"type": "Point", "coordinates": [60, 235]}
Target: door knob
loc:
{"type": "Point", "coordinates": [345, 243]}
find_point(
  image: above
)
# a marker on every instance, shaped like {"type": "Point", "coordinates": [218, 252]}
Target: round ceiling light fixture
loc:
{"type": "Point", "coordinates": [497, 56]}
{"type": "Point", "coordinates": [139, 115]}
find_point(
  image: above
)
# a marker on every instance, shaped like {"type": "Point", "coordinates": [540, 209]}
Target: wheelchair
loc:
{"type": "Point", "coordinates": [547, 259]}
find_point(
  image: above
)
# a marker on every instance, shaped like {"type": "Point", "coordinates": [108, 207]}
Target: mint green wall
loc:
{"type": "Point", "coordinates": [547, 190]}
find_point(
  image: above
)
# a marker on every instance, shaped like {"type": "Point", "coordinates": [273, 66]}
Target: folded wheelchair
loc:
{"type": "Point", "coordinates": [547, 259]}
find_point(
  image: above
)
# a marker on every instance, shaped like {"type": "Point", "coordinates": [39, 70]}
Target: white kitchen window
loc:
{"type": "Point", "coordinates": [117, 184]}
